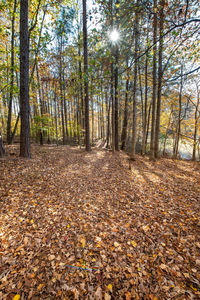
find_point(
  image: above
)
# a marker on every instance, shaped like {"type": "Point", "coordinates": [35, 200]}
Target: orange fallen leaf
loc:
{"type": "Point", "coordinates": [16, 297]}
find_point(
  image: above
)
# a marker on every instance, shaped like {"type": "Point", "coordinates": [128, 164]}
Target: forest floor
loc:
{"type": "Point", "coordinates": [77, 225]}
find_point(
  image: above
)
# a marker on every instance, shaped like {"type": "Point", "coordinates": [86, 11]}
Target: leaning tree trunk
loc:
{"type": "Point", "coordinates": [85, 47]}
{"type": "Point", "coordinates": [24, 81]}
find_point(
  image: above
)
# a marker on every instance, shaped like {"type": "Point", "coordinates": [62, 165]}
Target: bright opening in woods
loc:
{"type": "Point", "coordinates": [114, 35]}
{"type": "Point", "coordinates": [99, 149]}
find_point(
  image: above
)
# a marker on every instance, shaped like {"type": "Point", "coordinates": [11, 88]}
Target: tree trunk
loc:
{"type": "Point", "coordinates": [125, 121]}
{"type": "Point", "coordinates": [2, 151]}
{"type": "Point", "coordinates": [134, 129]}
{"type": "Point", "coordinates": [108, 121]}
{"type": "Point", "coordinates": [9, 141]}
{"type": "Point", "coordinates": [195, 127]}
{"type": "Point", "coordinates": [145, 100]}
{"type": "Point", "coordinates": [65, 105]}
{"type": "Point", "coordinates": [166, 133]}
{"type": "Point", "coordinates": [113, 109]}
{"type": "Point", "coordinates": [61, 94]}
{"type": "Point", "coordinates": [116, 100]}
{"type": "Point", "coordinates": [85, 47]}
{"type": "Point", "coordinates": [152, 148]}
{"type": "Point", "coordinates": [148, 123]}
{"type": "Point", "coordinates": [179, 116]}
{"type": "Point", "coordinates": [157, 129]}
{"type": "Point", "coordinates": [24, 81]}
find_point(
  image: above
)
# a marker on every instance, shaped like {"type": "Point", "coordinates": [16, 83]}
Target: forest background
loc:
{"type": "Point", "coordinates": [142, 90]}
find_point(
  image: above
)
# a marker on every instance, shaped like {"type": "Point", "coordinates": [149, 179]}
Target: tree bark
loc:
{"type": "Point", "coordinates": [160, 74]}
{"type": "Point", "coordinates": [9, 134]}
{"type": "Point", "coordinates": [167, 129]}
{"type": "Point", "coordinates": [152, 148]}
{"type": "Point", "coordinates": [179, 117]}
{"type": "Point", "coordinates": [125, 121]}
{"type": "Point", "coordinates": [113, 109]}
{"type": "Point", "coordinates": [85, 47]}
{"type": "Point", "coordinates": [2, 150]}
{"type": "Point", "coordinates": [134, 129]}
{"type": "Point", "coordinates": [195, 127]}
{"type": "Point", "coordinates": [108, 120]}
{"type": "Point", "coordinates": [116, 100]}
{"type": "Point", "coordinates": [24, 81]}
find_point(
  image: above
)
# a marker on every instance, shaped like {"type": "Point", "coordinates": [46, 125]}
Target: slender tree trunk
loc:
{"type": "Point", "coordinates": [61, 93]}
{"type": "Point", "coordinates": [157, 129]}
{"type": "Point", "coordinates": [116, 100]}
{"type": "Point", "coordinates": [15, 128]}
{"type": "Point", "coordinates": [125, 121]}
{"type": "Point", "coordinates": [102, 103]}
{"type": "Point", "coordinates": [38, 47]}
{"type": "Point", "coordinates": [166, 133]}
{"type": "Point", "coordinates": [92, 120]}
{"type": "Point", "coordinates": [145, 100]}
{"type": "Point", "coordinates": [113, 109]}
{"type": "Point", "coordinates": [81, 86]}
{"type": "Point", "coordinates": [2, 150]}
{"type": "Point", "coordinates": [195, 128]}
{"type": "Point", "coordinates": [85, 46]}
{"type": "Point", "coordinates": [65, 105]}
{"type": "Point", "coordinates": [134, 129]}
{"type": "Point", "coordinates": [108, 121]}
{"type": "Point", "coordinates": [24, 81]}
{"type": "Point", "coordinates": [148, 123]}
{"type": "Point", "coordinates": [179, 115]}
{"type": "Point", "coordinates": [152, 148]}
{"type": "Point", "coordinates": [116, 83]}
{"type": "Point", "coordinates": [11, 76]}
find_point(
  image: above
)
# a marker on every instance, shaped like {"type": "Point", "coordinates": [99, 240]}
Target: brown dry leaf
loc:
{"type": "Point", "coordinates": [16, 297]}
{"type": "Point", "coordinates": [98, 293]}
{"type": "Point", "coordinates": [133, 243]}
{"type": "Point", "coordinates": [128, 296]}
{"type": "Point", "coordinates": [109, 287]}
{"type": "Point", "coordinates": [88, 210]}
{"type": "Point", "coordinates": [83, 242]}
{"type": "Point", "coordinates": [26, 240]}
{"type": "Point", "coordinates": [107, 296]}
{"type": "Point", "coordinates": [40, 286]}
{"type": "Point", "coordinates": [51, 257]}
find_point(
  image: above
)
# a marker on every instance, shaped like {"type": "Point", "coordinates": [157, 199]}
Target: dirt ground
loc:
{"type": "Point", "coordinates": [77, 225]}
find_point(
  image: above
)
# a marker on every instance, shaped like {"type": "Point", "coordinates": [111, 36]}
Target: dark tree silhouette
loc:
{"type": "Point", "coordinates": [24, 81]}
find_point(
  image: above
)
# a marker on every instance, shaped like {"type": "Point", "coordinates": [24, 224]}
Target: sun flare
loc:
{"type": "Point", "coordinates": [114, 35]}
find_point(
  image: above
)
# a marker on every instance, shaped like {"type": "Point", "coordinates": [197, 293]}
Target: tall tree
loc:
{"type": "Point", "coordinates": [2, 151]}
{"type": "Point", "coordinates": [9, 134]}
{"type": "Point", "coordinates": [157, 129]}
{"type": "Point", "coordinates": [196, 118]}
{"type": "Point", "coordinates": [152, 144]}
{"type": "Point", "coordinates": [24, 80]}
{"type": "Point", "coordinates": [125, 121]}
{"type": "Point", "coordinates": [134, 130]}
{"type": "Point", "coordinates": [85, 48]}
{"type": "Point", "coordinates": [116, 82]}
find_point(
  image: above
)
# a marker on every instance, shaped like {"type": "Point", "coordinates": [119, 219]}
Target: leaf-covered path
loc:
{"type": "Point", "coordinates": [77, 225]}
